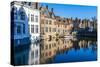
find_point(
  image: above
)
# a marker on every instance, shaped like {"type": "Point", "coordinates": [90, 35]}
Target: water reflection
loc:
{"type": "Point", "coordinates": [68, 50]}
{"type": "Point", "coordinates": [58, 51]}
{"type": "Point", "coordinates": [21, 55]}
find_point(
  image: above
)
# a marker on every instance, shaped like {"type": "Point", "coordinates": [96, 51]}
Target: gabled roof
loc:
{"type": "Point", "coordinates": [47, 12]}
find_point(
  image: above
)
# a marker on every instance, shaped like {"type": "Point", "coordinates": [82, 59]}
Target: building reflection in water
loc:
{"type": "Point", "coordinates": [67, 50]}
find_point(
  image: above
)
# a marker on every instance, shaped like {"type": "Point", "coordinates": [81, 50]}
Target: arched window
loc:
{"type": "Point", "coordinates": [22, 13]}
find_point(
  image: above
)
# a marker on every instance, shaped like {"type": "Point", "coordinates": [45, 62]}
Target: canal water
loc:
{"type": "Point", "coordinates": [59, 51]}
{"type": "Point", "coordinates": [79, 49]}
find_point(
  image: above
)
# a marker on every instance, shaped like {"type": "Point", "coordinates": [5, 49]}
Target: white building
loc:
{"type": "Point", "coordinates": [34, 30]}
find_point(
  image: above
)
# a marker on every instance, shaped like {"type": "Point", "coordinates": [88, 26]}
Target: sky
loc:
{"type": "Point", "coordinates": [66, 10]}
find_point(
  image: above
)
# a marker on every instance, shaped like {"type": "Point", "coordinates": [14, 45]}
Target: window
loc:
{"type": "Point", "coordinates": [24, 28]}
{"type": "Point", "coordinates": [32, 55]}
{"type": "Point", "coordinates": [18, 29]}
{"type": "Point", "coordinates": [50, 53]}
{"type": "Point", "coordinates": [36, 54]}
{"type": "Point", "coordinates": [42, 47]}
{"type": "Point", "coordinates": [46, 29]}
{"type": "Point", "coordinates": [54, 29]}
{"type": "Point", "coordinates": [28, 17]}
{"type": "Point", "coordinates": [42, 21]}
{"type": "Point", "coordinates": [58, 30]}
{"type": "Point", "coordinates": [46, 54]}
{"type": "Point", "coordinates": [46, 21]}
{"type": "Point", "coordinates": [49, 46]}
{"type": "Point", "coordinates": [58, 25]}
{"type": "Point", "coordinates": [50, 22]}
{"type": "Point", "coordinates": [42, 29]}
{"type": "Point", "coordinates": [42, 55]}
{"type": "Point", "coordinates": [50, 37]}
{"type": "Point", "coordinates": [36, 29]}
{"type": "Point", "coordinates": [46, 47]}
{"type": "Point", "coordinates": [49, 29]}
{"type": "Point", "coordinates": [32, 18]}
{"type": "Point", "coordinates": [63, 31]}
{"type": "Point", "coordinates": [32, 28]}
{"type": "Point", "coordinates": [36, 18]}
{"type": "Point", "coordinates": [22, 15]}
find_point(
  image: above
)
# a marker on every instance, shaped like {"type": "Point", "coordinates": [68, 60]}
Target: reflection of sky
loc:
{"type": "Point", "coordinates": [73, 10]}
{"type": "Point", "coordinates": [84, 54]}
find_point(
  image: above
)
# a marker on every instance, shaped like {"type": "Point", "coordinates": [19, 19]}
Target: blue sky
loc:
{"type": "Point", "coordinates": [79, 11]}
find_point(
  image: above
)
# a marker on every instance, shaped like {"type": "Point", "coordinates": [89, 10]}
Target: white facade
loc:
{"type": "Point", "coordinates": [34, 30]}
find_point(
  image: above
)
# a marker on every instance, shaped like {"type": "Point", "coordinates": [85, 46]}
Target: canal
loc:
{"type": "Point", "coordinates": [69, 50]}
{"type": "Point", "coordinates": [58, 51]}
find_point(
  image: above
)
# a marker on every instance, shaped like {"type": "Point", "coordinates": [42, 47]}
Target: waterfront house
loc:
{"type": "Point", "coordinates": [20, 37]}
